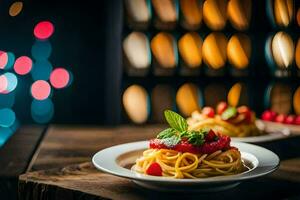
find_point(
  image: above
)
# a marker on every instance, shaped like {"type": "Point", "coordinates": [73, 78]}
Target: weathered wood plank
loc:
{"type": "Point", "coordinates": [17, 152]}
{"type": "Point", "coordinates": [83, 181]}
{"type": "Point", "coordinates": [65, 145]}
{"type": "Point", "coordinates": [15, 156]}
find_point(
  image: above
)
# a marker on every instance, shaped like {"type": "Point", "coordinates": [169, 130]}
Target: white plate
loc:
{"type": "Point", "coordinates": [274, 126]}
{"type": "Point", "coordinates": [273, 133]}
{"type": "Point", "coordinates": [114, 159]}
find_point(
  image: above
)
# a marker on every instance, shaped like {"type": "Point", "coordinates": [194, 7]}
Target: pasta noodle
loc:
{"type": "Point", "coordinates": [180, 165]}
{"type": "Point", "coordinates": [198, 122]}
{"type": "Point", "coordinates": [179, 152]}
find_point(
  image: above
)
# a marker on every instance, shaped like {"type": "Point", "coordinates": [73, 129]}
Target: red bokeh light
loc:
{"type": "Point", "coordinates": [3, 59]}
{"type": "Point", "coordinates": [59, 78]}
{"type": "Point", "coordinates": [40, 90]}
{"type": "Point", "coordinates": [23, 65]}
{"type": "Point", "coordinates": [3, 84]}
{"type": "Point", "coordinates": [43, 30]}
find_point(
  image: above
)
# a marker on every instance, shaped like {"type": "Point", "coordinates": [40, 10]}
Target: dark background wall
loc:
{"type": "Point", "coordinates": [87, 41]}
{"type": "Point", "coordinates": [79, 44]}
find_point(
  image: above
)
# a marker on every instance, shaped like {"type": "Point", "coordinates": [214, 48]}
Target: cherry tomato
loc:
{"type": "Point", "coordinates": [221, 107]}
{"type": "Point", "coordinates": [208, 111]}
{"type": "Point", "coordinates": [280, 118]}
{"type": "Point", "coordinates": [154, 169]}
{"type": "Point", "coordinates": [297, 120]}
{"type": "Point", "coordinates": [244, 110]}
{"type": "Point", "coordinates": [268, 115]}
{"type": "Point", "coordinates": [290, 119]}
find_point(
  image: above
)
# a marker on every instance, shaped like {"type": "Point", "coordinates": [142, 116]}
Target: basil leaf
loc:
{"type": "Point", "coordinates": [171, 141]}
{"type": "Point", "coordinates": [228, 113]}
{"type": "Point", "coordinates": [176, 121]}
{"type": "Point", "coordinates": [196, 138]}
{"type": "Point", "coordinates": [169, 132]}
{"type": "Point", "coordinates": [184, 134]}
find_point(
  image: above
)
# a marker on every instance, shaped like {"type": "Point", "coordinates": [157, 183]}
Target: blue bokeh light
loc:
{"type": "Point", "coordinates": [12, 82]}
{"type": "Point", "coordinates": [7, 117]}
{"type": "Point", "coordinates": [42, 111]}
{"type": "Point", "coordinates": [10, 61]}
{"type": "Point", "coordinates": [41, 70]}
{"type": "Point", "coordinates": [5, 134]}
{"type": "Point", "coordinates": [71, 79]}
{"type": "Point", "coordinates": [41, 50]}
{"type": "Point", "coordinates": [7, 100]}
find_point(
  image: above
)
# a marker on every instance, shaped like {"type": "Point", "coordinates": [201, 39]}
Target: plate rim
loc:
{"type": "Point", "coordinates": [259, 171]}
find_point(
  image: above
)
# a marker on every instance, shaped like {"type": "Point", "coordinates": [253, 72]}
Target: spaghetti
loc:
{"type": "Point", "coordinates": [231, 121]}
{"type": "Point", "coordinates": [178, 152]}
{"type": "Point", "coordinates": [188, 165]}
{"type": "Point", "coordinates": [224, 127]}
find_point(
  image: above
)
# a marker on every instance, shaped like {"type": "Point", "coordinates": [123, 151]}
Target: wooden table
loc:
{"type": "Point", "coordinates": [60, 168]}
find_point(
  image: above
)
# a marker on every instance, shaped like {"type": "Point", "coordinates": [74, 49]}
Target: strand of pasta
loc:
{"type": "Point", "coordinates": [226, 128]}
{"type": "Point", "coordinates": [187, 165]}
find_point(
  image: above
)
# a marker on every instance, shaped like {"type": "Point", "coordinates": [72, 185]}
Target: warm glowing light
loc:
{"type": "Point", "coordinates": [163, 48]}
{"type": "Point", "coordinates": [214, 50]}
{"type": "Point", "coordinates": [41, 70]}
{"type": "Point", "coordinates": [15, 8]}
{"type": "Point", "coordinates": [296, 101]}
{"type": "Point", "coordinates": [239, 13]}
{"type": "Point", "coordinates": [136, 50]}
{"type": "Point", "coordinates": [283, 49]}
{"type": "Point", "coordinates": [59, 78]}
{"type": "Point", "coordinates": [191, 13]}
{"type": "Point", "coordinates": [41, 50]}
{"type": "Point", "coordinates": [162, 99]}
{"type": "Point", "coordinates": [190, 49]}
{"type": "Point", "coordinates": [165, 10]}
{"type": "Point", "coordinates": [136, 103]}
{"type": "Point", "coordinates": [43, 30]}
{"type": "Point", "coordinates": [283, 12]}
{"type": "Point", "coordinates": [188, 99]}
{"type": "Point", "coordinates": [234, 94]}
{"type": "Point", "coordinates": [138, 11]}
{"type": "Point", "coordinates": [238, 95]}
{"type": "Point", "coordinates": [40, 90]}
{"type": "Point", "coordinates": [215, 14]}
{"type": "Point", "coordinates": [3, 59]}
{"type": "Point", "coordinates": [297, 54]}
{"type": "Point", "coordinates": [7, 117]}
{"type": "Point", "coordinates": [239, 50]}
{"type": "Point", "coordinates": [42, 111]}
{"type": "Point", "coordinates": [23, 65]}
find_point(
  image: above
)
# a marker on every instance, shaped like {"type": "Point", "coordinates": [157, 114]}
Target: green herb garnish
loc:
{"type": "Point", "coordinates": [229, 113]}
{"type": "Point", "coordinates": [176, 121]}
{"type": "Point", "coordinates": [178, 130]}
{"type": "Point", "coordinates": [196, 138]}
{"type": "Point", "coordinates": [171, 141]}
{"type": "Point", "coordinates": [169, 132]}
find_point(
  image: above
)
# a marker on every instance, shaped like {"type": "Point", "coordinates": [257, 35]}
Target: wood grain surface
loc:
{"type": "Point", "coordinates": [65, 145]}
{"type": "Point", "coordinates": [83, 181]}
{"type": "Point", "coordinates": [16, 153]}
{"type": "Point", "coordinates": [65, 172]}
{"type": "Point", "coordinates": [15, 156]}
